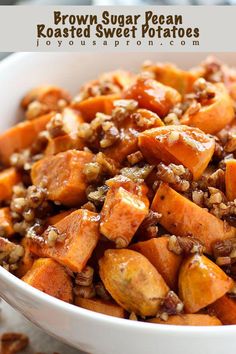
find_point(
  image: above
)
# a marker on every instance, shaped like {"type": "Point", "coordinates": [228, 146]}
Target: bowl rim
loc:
{"type": "Point", "coordinates": [74, 310]}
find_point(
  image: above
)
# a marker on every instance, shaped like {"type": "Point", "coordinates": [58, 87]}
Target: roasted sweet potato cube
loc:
{"type": "Point", "coordinates": [27, 260]}
{"type": "Point", "coordinates": [230, 179]}
{"type": "Point", "coordinates": [63, 176]}
{"type": "Point", "coordinates": [152, 95]}
{"type": "Point", "coordinates": [189, 320]}
{"type": "Point", "coordinates": [170, 75]}
{"type": "Point", "coordinates": [71, 120]}
{"type": "Point", "coordinates": [201, 283]}
{"type": "Point", "coordinates": [133, 282]}
{"type": "Point", "coordinates": [81, 229]}
{"type": "Point", "coordinates": [101, 306]}
{"type": "Point", "coordinates": [63, 143]}
{"type": "Point", "coordinates": [50, 277]}
{"type": "Point", "coordinates": [52, 220]}
{"type": "Point", "coordinates": [6, 225]}
{"type": "Point", "coordinates": [8, 178]}
{"type": "Point", "coordinates": [50, 96]}
{"type": "Point", "coordinates": [215, 115]}
{"type": "Point", "coordinates": [180, 145]}
{"type": "Point", "coordinates": [182, 217]}
{"type": "Point", "coordinates": [225, 309]}
{"type": "Point", "coordinates": [166, 262]}
{"type": "Point", "coordinates": [121, 215]}
{"type": "Point", "coordinates": [93, 105]}
{"type": "Point", "coordinates": [21, 136]}
{"type": "Point", "coordinates": [129, 131]}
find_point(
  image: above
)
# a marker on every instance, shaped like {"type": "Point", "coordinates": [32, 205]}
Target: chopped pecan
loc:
{"type": "Point", "coordinates": [12, 343]}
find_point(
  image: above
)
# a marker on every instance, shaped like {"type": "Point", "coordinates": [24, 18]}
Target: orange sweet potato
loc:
{"type": "Point", "coordinates": [71, 120]}
{"type": "Point", "coordinates": [178, 144]}
{"type": "Point", "coordinates": [132, 281]}
{"type": "Point", "coordinates": [8, 178]}
{"type": "Point", "coordinates": [63, 143]}
{"type": "Point", "coordinates": [152, 95]}
{"type": "Point", "coordinates": [230, 179]}
{"type": "Point", "coordinates": [201, 283]}
{"type": "Point", "coordinates": [139, 189]}
{"type": "Point", "coordinates": [63, 176]}
{"type": "Point", "coordinates": [122, 214]}
{"type": "Point", "coordinates": [93, 105]}
{"type": "Point", "coordinates": [182, 217]}
{"type": "Point", "coordinates": [225, 309]}
{"type": "Point", "coordinates": [215, 115]}
{"type": "Point", "coordinates": [48, 95]}
{"type": "Point", "coordinates": [189, 320]}
{"type": "Point", "coordinates": [51, 278]}
{"type": "Point", "coordinates": [82, 233]}
{"type": "Point", "coordinates": [52, 220]}
{"type": "Point", "coordinates": [101, 306]}
{"type": "Point", "coordinates": [170, 75]}
{"type": "Point", "coordinates": [26, 261]}
{"type": "Point", "coordinates": [128, 143]}
{"type": "Point", "coordinates": [6, 224]}
{"type": "Point", "coordinates": [166, 262]}
{"type": "Point", "coordinates": [21, 136]}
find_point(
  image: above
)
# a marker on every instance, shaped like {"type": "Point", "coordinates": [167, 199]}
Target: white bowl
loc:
{"type": "Point", "coordinates": [89, 331]}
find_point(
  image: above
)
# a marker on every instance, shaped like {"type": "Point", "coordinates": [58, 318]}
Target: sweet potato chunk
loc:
{"type": "Point", "coordinates": [225, 309]}
{"type": "Point", "coordinates": [8, 178]}
{"type": "Point", "coordinates": [178, 144]}
{"type": "Point", "coordinates": [6, 225]}
{"type": "Point", "coordinates": [93, 105]}
{"type": "Point", "coordinates": [201, 282]}
{"type": "Point", "coordinates": [50, 96]}
{"type": "Point", "coordinates": [101, 306]}
{"type": "Point", "coordinates": [152, 95]}
{"type": "Point", "coordinates": [182, 217]}
{"type": "Point", "coordinates": [189, 320]}
{"type": "Point", "coordinates": [166, 262]}
{"type": "Point", "coordinates": [215, 115]}
{"type": "Point", "coordinates": [170, 75]}
{"type": "Point", "coordinates": [132, 281]}
{"type": "Point", "coordinates": [230, 179]}
{"type": "Point", "coordinates": [21, 136]}
{"type": "Point", "coordinates": [63, 143]}
{"type": "Point", "coordinates": [81, 229]}
{"type": "Point", "coordinates": [50, 277]}
{"type": "Point", "coordinates": [52, 220]}
{"type": "Point", "coordinates": [129, 131]}
{"type": "Point", "coordinates": [71, 120]}
{"type": "Point", "coordinates": [121, 215]}
{"type": "Point", "coordinates": [26, 261]}
{"type": "Point", "coordinates": [63, 176]}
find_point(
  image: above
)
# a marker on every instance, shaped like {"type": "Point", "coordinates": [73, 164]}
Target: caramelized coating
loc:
{"type": "Point", "coordinates": [214, 115]}
{"type": "Point", "coordinates": [101, 306]}
{"type": "Point", "coordinates": [132, 281]}
{"type": "Point", "coordinates": [152, 95]}
{"type": "Point", "coordinates": [51, 278]}
{"type": "Point", "coordinates": [180, 145]}
{"type": "Point", "coordinates": [63, 176]}
{"type": "Point", "coordinates": [81, 230]}
{"type": "Point", "coordinates": [182, 217]}
{"type": "Point", "coordinates": [166, 262]}
{"type": "Point", "coordinates": [198, 276]}
{"type": "Point", "coordinates": [122, 214]}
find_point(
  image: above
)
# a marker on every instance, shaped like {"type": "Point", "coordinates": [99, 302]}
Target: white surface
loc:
{"type": "Point", "coordinates": [92, 332]}
{"type": "Point", "coordinates": [12, 321]}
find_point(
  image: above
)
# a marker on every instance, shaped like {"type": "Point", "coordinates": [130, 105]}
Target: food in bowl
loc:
{"type": "Point", "coordinates": [121, 200]}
